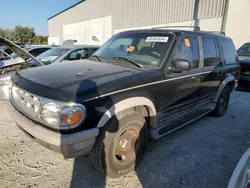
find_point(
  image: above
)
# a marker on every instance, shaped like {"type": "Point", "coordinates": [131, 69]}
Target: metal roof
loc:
{"type": "Point", "coordinates": [66, 9]}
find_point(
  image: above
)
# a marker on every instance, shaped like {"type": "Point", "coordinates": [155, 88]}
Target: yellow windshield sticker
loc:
{"type": "Point", "coordinates": [187, 43]}
{"type": "Point", "coordinates": [130, 49]}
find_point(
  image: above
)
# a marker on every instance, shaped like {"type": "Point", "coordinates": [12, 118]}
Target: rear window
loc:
{"type": "Point", "coordinates": [229, 51]}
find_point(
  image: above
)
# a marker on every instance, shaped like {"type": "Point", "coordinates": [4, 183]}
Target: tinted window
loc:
{"type": "Point", "coordinates": [210, 53]}
{"type": "Point", "coordinates": [229, 51]}
{"type": "Point", "coordinates": [187, 48]}
{"type": "Point", "coordinates": [38, 51]}
{"type": "Point", "coordinates": [77, 54]}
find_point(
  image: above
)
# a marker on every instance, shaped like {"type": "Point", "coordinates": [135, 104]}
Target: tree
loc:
{"type": "Point", "coordinates": [42, 40]}
{"type": "Point", "coordinates": [25, 35]}
{"type": "Point", "coordinates": [7, 33]}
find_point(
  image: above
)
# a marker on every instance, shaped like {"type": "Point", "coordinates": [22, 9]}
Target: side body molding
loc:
{"type": "Point", "coordinates": [228, 79]}
{"type": "Point", "coordinates": [129, 103]}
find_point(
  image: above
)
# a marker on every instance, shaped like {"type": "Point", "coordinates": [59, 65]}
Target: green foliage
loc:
{"type": "Point", "coordinates": [26, 35]}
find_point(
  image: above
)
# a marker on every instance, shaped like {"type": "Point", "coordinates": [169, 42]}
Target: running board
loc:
{"type": "Point", "coordinates": [175, 124]}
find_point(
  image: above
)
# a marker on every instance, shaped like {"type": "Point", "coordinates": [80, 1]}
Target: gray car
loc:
{"type": "Point", "coordinates": [53, 55]}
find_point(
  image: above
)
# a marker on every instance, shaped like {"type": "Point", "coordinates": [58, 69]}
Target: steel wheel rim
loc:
{"type": "Point", "coordinates": [126, 145]}
{"type": "Point", "coordinates": [223, 102]}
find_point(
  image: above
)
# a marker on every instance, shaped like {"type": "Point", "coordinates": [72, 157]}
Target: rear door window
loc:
{"type": "Point", "coordinates": [229, 51]}
{"type": "Point", "coordinates": [210, 52]}
{"type": "Point", "coordinates": [77, 55]}
{"type": "Point", "coordinates": [187, 48]}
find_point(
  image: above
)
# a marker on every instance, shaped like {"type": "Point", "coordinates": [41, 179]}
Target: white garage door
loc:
{"type": "Point", "coordinates": [95, 32]}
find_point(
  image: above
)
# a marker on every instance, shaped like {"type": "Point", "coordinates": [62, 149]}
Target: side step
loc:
{"type": "Point", "coordinates": [171, 125]}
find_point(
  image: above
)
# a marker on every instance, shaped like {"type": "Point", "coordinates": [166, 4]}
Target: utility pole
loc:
{"type": "Point", "coordinates": [224, 18]}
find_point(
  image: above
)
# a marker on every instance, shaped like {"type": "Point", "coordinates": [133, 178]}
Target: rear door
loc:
{"type": "Point", "coordinates": [213, 67]}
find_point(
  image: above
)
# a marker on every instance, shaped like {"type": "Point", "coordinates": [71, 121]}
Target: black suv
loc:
{"type": "Point", "coordinates": [139, 84]}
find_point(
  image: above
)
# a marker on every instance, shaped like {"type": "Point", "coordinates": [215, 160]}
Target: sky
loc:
{"type": "Point", "coordinates": [32, 13]}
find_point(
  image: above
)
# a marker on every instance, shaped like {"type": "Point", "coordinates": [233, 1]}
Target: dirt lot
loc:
{"type": "Point", "coordinates": [202, 154]}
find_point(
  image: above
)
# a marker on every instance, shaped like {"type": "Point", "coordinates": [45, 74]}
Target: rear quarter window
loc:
{"type": "Point", "coordinates": [229, 51]}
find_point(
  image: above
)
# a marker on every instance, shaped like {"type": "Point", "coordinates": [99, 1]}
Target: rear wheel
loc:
{"type": "Point", "coordinates": [222, 103]}
{"type": "Point", "coordinates": [120, 145]}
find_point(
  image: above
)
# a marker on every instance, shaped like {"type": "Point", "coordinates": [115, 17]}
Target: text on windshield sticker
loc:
{"type": "Point", "coordinates": [157, 39]}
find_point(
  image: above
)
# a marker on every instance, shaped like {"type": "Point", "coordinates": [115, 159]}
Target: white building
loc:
{"type": "Point", "coordinates": [95, 21]}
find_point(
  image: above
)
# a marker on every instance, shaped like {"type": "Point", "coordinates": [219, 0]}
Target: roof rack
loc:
{"type": "Point", "coordinates": [196, 28]}
{"type": "Point", "coordinates": [215, 32]}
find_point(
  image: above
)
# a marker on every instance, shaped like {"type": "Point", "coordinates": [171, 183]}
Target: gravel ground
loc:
{"type": "Point", "coordinates": [202, 154]}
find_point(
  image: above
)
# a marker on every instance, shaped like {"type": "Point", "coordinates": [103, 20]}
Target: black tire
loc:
{"type": "Point", "coordinates": [222, 103]}
{"type": "Point", "coordinates": [109, 155]}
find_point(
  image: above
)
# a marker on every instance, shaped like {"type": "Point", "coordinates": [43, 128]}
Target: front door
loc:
{"type": "Point", "coordinates": [180, 89]}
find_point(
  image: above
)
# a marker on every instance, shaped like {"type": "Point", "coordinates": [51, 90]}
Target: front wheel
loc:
{"type": "Point", "coordinates": [120, 145]}
{"type": "Point", "coordinates": [222, 103]}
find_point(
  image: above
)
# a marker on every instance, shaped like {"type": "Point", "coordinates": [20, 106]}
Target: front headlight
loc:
{"type": "Point", "coordinates": [63, 116]}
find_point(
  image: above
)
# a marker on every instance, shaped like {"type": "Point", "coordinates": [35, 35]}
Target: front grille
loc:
{"type": "Point", "coordinates": [25, 102]}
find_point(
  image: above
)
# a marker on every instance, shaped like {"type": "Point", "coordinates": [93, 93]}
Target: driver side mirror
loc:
{"type": "Point", "coordinates": [181, 65]}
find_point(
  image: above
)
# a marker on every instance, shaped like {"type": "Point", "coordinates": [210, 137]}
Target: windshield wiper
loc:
{"type": "Point", "coordinates": [97, 57]}
{"type": "Point", "coordinates": [127, 60]}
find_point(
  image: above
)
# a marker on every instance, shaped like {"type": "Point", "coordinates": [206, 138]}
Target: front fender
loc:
{"type": "Point", "coordinates": [126, 104]}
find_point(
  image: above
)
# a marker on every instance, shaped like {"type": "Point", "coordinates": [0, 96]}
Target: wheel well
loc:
{"type": "Point", "coordinates": [231, 85]}
{"type": "Point", "coordinates": [143, 110]}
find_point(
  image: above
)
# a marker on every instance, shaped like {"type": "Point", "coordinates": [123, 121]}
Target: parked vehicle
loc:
{"type": "Point", "coordinates": [241, 177]}
{"type": "Point", "coordinates": [139, 84]}
{"type": "Point", "coordinates": [53, 55]}
{"type": "Point", "coordinates": [5, 53]}
{"type": "Point", "coordinates": [244, 55]}
{"type": "Point", "coordinates": [67, 53]}
{"type": "Point", "coordinates": [35, 51]}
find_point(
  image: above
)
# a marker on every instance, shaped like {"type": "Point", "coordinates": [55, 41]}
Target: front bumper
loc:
{"type": "Point", "coordinates": [4, 92]}
{"type": "Point", "coordinates": [244, 81]}
{"type": "Point", "coordinates": [69, 145]}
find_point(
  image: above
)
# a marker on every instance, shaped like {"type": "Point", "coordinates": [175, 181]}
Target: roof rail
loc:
{"type": "Point", "coordinates": [196, 28]}
{"type": "Point", "coordinates": [215, 32]}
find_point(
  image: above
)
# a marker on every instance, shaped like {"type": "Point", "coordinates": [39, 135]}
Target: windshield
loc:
{"type": "Point", "coordinates": [51, 55]}
{"type": "Point", "coordinates": [146, 49]}
{"type": "Point", "coordinates": [244, 50]}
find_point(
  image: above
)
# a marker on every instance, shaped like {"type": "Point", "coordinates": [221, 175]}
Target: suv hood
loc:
{"type": "Point", "coordinates": [18, 50]}
{"type": "Point", "coordinates": [76, 76]}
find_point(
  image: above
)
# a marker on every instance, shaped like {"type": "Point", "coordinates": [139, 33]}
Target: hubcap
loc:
{"type": "Point", "coordinates": [125, 146]}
